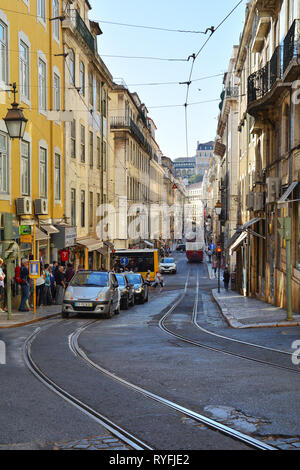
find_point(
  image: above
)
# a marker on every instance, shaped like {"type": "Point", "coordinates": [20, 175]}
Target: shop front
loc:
{"type": "Point", "coordinates": [63, 245]}
{"type": "Point", "coordinates": [88, 253]}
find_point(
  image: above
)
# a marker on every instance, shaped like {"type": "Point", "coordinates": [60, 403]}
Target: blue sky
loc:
{"type": "Point", "coordinates": [176, 14]}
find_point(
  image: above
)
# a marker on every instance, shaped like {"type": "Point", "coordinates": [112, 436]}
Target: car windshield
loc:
{"type": "Point", "coordinates": [89, 279]}
{"type": "Point", "coordinates": [134, 278]}
{"type": "Point", "coordinates": [168, 260]}
{"type": "Point", "coordinates": [121, 279]}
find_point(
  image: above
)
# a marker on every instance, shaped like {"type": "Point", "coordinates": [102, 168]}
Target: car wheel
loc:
{"type": "Point", "coordinates": [126, 304]}
{"type": "Point", "coordinates": [110, 312]}
{"type": "Point", "coordinates": [65, 314]}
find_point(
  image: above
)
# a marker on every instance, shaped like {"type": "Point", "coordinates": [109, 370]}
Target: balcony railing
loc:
{"type": "Point", "coordinates": [85, 32]}
{"type": "Point", "coordinates": [291, 44]}
{"type": "Point", "coordinates": [262, 81]}
{"type": "Point", "coordinates": [125, 122]}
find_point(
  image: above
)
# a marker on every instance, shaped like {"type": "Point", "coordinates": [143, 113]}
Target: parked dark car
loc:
{"type": "Point", "coordinates": [181, 247]}
{"type": "Point", "coordinates": [140, 288]}
{"type": "Point", "coordinates": [126, 290]}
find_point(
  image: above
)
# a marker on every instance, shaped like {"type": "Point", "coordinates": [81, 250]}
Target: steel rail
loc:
{"type": "Point", "coordinates": [163, 327]}
{"type": "Point", "coordinates": [210, 423]}
{"type": "Point", "coordinates": [114, 429]}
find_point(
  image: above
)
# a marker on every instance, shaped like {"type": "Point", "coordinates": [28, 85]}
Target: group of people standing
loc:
{"type": "Point", "coordinates": [50, 286]}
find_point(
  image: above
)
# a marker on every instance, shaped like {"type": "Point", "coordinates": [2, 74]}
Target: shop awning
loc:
{"type": "Point", "coordinates": [49, 229]}
{"type": "Point", "coordinates": [109, 245]}
{"type": "Point", "coordinates": [251, 222]}
{"type": "Point", "coordinates": [151, 245]}
{"type": "Point", "coordinates": [233, 239]}
{"type": "Point", "coordinates": [283, 199]}
{"type": "Point", "coordinates": [90, 243]}
{"type": "Point", "coordinates": [103, 251]}
{"type": "Point", "coordinates": [40, 235]}
{"type": "Point", "coordinates": [237, 243]}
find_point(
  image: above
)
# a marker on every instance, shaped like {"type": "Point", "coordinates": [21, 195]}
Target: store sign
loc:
{"type": "Point", "coordinates": [70, 236]}
{"type": "Point", "coordinates": [25, 230]}
{"type": "Point", "coordinates": [26, 239]}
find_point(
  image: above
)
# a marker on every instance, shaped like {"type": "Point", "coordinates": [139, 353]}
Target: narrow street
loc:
{"type": "Point", "coordinates": [148, 371]}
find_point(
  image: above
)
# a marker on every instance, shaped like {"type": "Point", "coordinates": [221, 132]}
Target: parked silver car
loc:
{"type": "Point", "coordinates": [92, 292]}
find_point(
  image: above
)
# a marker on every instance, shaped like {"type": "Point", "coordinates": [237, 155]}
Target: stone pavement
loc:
{"type": "Point", "coordinates": [247, 312]}
{"type": "Point", "coordinates": [26, 318]}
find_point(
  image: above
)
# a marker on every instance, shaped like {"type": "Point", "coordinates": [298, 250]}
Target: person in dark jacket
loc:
{"type": "Point", "coordinates": [25, 285]}
{"type": "Point", "coordinates": [226, 277]}
{"type": "Point", "coordinates": [60, 280]}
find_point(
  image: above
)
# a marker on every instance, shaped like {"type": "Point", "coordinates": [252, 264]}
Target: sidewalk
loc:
{"type": "Point", "coordinates": [246, 312]}
{"type": "Point", "coordinates": [26, 318]}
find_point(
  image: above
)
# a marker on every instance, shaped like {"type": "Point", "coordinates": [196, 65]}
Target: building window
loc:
{"type": "Point", "coordinates": [72, 67]}
{"type": "Point", "coordinates": [56, 92]}
{"type": "Point", "coordinates": [55, 14]}
{"type": "Point", "coordinates": [41, 10]}
{"type": "Point", "coordinates": [25, 169]}
{"type": "Point", "coordinates": [104, 156]}
{"type": "Point", "coordinates": [82, 204]}
{"type": "Point", "coordinates": [3, 163]}
{"type": "Point", "coordinates": [42, 85]}
{"type": "Point", "coordinates": [104, 103]}
{"type": "Point", "coordinates": [82, 144]}
{"type": "Point", "coordinates": [91, 210]}
{"type": "Point", "coordinates": [57, 177]}
{"type": "Point", "coordinates": [24, 70]}
{"type": "Point", "coordinates": [91, 89]}
{"type": "Point", "coordinates": [98, 96]}
{"type": "Point", "coordinates": [73, 139]}
{"type": "Point", "coordinates": [3, 53]}
{"type": "Point", "coordinates": [43, 172]}
{"type": "Point", "coordinates": [98, 152]}
{"type": "Point", "coordinates": [91, 149]}
{"type": "Point", "coordinates": [82, 78]}
{"type": "Point", "coordinates": [73, 207]}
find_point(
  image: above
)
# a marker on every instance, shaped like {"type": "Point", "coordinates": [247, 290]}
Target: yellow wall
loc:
{"type": "Point", "coordinates": [22, 24]}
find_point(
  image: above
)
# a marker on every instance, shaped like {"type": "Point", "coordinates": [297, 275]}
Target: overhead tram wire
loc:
{"type": "Point", "coordinates": [195, 56]}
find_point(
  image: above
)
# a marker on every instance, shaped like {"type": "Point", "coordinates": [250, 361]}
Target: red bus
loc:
{"type": "Point", "coordinates": [194, 252]}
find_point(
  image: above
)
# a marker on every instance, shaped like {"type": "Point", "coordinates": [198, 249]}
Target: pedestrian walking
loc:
{"type": "Point", "coordinates": [148, 281]}
{"type": "Point", "coordinates": [60, 280]}
{"type": "Point", "coordinates": [47, 295]}
{"type": "Point", "coordinates": [159, 281]}
{"type": "Point", "coordinates": [215, 265]}
{"type": "Point", "coordinates": [25, 287]}
{"type": "Point", "coordinates": [226, 277]}
{"type": "Point", "coordinates": [40, 282]}
{"type": "Point", "coordinates": [209, 254]}
{"type": "Point", "coordinates": [2, 277]}
{"type": "Point", "coordinates": [52, 283]}
{"type": "Point", "coordinates": [70, 271]}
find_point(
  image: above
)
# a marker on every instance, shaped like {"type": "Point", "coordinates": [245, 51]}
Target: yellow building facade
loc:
{"type": "Point", "coordinates": [32, 169]}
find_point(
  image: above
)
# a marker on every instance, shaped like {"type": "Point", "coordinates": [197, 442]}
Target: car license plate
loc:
{"type": "Point", "coordinates": [83, 304]}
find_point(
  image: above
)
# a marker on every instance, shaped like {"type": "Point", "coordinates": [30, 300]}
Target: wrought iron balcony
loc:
{"type": "Point", "coordinates": [125, 122]}
{"type": "Point", "coordinates": [85, 32]}
{"type": "Point", "coordinates": [291, 45]}
{"type": "Point", "coordinates": [262, 81]}
{"type": "Point", "coordinates": [232, 92]}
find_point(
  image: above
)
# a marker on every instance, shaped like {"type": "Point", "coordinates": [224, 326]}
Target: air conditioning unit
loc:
{"type": "Point", "coordinates": [258, 202]}
{"type": "Point", "coordinates": [273, 185]}
{"type": "Point", "coordinates": [41, 206]}
{"type": "Point", "coordinates": [23, 206]}
{"type": "Point", "coordinates": [250, 201]}
{"type": "Point", "coordinates": [258, 177]}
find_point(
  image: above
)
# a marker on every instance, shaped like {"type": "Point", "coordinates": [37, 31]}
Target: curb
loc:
{"type": "Point", "coordinates": [30, 322]}
{"type": "Point", "coordinates": [233, 323]}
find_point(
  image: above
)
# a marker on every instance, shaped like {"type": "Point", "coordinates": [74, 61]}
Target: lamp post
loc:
{"type": "Point", "coordinates": [16, 125]}
{"type": "Point", "coordinates": [218, 209]}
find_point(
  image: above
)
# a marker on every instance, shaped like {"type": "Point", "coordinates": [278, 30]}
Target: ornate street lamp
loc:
{"type": "Point", "coordinates": [15, 120]}
{"type": "Point", "coordinates": [218, 208]}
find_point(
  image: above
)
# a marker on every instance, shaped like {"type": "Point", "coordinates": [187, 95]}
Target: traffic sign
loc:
{"type": "Point", "coordinates": [26, 239]}
{"type": "Point", "coordinates": [212, 246]}
{"type": "Point", "coordinates": [124, 261]}
{"type": "Point", "coordinates": [34, 269]}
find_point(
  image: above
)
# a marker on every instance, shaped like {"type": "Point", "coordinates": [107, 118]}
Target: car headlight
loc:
{"type": "Point", "coordinates": [139, 290]}
{"type": "Point", "coordinates": [68, 295]}
{"type": "Point", "coordinates": [101, 296]}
